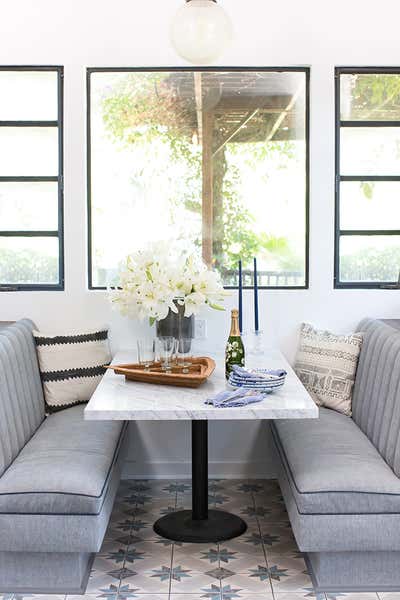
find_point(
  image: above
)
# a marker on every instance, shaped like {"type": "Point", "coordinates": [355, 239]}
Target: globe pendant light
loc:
{"type": "Point", "coordinates": [200, 31]}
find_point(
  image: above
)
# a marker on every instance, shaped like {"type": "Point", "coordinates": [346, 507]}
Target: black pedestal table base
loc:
{"type": "Point", "coordinates": [181, 527]}
{"type": "Point", "coordinates": [200, 525]}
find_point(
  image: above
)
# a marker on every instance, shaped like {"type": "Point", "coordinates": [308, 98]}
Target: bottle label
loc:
{"type": "Point", "coordinates": [234, 354]}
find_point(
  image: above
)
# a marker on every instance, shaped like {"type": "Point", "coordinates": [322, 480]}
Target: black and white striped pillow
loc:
{"type": "Point", "coordinates": [71, 365]}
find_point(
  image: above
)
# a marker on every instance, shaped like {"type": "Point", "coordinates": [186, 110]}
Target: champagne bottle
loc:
{"type": "Point", "coordinates": [234, 353]}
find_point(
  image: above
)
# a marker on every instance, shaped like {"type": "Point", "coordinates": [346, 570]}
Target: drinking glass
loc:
{"type": "Point", "coordinates": [167, 349]}
{"type": "Point", "coordinates": [184, 353]}
{"type": "Point", "coordinates": [146, 352]}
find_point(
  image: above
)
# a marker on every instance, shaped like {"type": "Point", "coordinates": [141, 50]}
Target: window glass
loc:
{"type": "Point", "coordinates": [212, 159]}
{"type": "Point", "coordinates": [31, 178]}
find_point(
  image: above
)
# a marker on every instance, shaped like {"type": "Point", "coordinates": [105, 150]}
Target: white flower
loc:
{"type": "Point", "coordinates": [156, 278]}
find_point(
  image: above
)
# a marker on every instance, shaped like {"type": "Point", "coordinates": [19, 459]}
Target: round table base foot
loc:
{"type": "Point", "coordinates": [180, 527]}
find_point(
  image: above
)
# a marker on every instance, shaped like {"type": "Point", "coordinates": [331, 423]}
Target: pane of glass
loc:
{"type": "Point", "coordinates": [370, 205]}
{"type": "Point", "coordinates": [370, 151]}
{"type": "Point", "coordinates": [157, 136]}
{"type": "Point", "coordinates": [28, 260]}
{"type": "Point", "coordinates": [370, 97]}
{"type": "Point", "coordinates": [28, 206]}
{"type": "Point", "coordinates": [28, 96]}
{"type": "Point", "coordinates": [369, 258]}
{"type": "Point", "coordinates": [29, 151]}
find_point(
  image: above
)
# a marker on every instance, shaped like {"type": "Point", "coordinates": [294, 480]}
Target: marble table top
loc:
{"type": "Point", "coordinates": [118, 399]}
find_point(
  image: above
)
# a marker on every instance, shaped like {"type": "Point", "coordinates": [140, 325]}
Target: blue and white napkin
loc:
{"type": "Point", "coordinates": [237, 398]}
{"type": "Point", "coordinates": [262, 380]}
{"type": "Point", "coordinates": [252, 386]}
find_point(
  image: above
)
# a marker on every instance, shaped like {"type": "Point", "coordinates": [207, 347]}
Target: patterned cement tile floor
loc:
{"type": "Point", "coordinates": [134, 563]}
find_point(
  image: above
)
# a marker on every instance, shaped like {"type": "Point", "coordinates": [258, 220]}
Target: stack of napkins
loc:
{"type": "Point", "coordinates": [263, 381]}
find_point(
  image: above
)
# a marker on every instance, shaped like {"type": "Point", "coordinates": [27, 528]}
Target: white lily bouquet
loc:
{"type": "Point", "coordinates": [157, 279]}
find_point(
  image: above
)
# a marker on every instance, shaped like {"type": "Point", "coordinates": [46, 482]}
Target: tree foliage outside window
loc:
{"type": "Point", "coordinates": [147, 126]}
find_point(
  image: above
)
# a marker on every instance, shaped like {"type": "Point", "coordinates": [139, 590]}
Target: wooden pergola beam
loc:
{"type": "Point", "coordinates": [208, 187]}
{"type": "Point", "coordinates": [248, 103]}
{"type": "Point", "coordinates": [231, 134]}
{"type": "Point", "coordinates": [284, 113]}
{"type": "Point", "coordinates": [198, 94]}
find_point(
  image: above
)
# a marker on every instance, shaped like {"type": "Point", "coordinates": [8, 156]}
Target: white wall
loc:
{"type": "Point", "coordinates": [321, 34]}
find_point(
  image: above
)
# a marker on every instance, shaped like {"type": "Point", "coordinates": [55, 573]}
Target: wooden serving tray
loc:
{"type": "Point", "coordinates": [199, 371]}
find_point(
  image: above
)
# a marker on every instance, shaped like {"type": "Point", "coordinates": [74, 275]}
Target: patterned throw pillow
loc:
{"type": "Point", "coordinates": [71, 366]}
{"type": "Point", "coordinates": [326, 365]}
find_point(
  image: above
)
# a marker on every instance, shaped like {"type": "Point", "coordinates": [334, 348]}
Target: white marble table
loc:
{"type": "Point", "coordinates": [118, 399]}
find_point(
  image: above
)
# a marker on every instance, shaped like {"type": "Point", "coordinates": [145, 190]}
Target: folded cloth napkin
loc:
{"type": "Point", "coordinates": [237, 398]}
{"type": "Point", "coordinates": [263, 380]}
{"type": "Point", "coordinates": [258, 374]}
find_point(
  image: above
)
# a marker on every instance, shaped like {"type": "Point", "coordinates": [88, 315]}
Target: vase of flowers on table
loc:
{"type": "Point", "coordinates": [168, 287]}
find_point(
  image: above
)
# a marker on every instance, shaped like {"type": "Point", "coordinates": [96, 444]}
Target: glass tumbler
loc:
{"type": "Point", "coordinates": [184, 354]}
{"type": "Point", "coordinates": [146, 352]}
{"type": "Point", "coordinates": [167, 349]}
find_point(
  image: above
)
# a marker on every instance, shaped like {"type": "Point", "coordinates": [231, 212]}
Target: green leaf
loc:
{"type": "Point", "coordinates": [152, 320]}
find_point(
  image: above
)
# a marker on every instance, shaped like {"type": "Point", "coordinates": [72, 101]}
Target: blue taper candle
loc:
{"type": "Point", "coordinates": [256, 322]}
{"type": "Point", "coordinates": [240, 297]}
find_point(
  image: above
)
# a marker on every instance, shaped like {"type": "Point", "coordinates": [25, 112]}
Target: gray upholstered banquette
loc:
{"type": "Point", "coordinates": [340, 476]}
{"type": "Point", "coordinates": [58, 478]}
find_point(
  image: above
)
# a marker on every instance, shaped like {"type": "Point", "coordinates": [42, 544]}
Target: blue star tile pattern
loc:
{"type": "Point", "coordinates": [177, 573]}
{"type": "Point", "coordinates": [125, 525]}
{"type": "Point", "coordinates": [140, 499]}
{"type": "Point", "coordinates": [118, 556]}
{"type": "Point", "coordinates": [266, 539]}
{"type": "Point", "coordinates": [138, 525]}
{"type": "Point", "coordinates": [229, 593]}
{"type": "Point", "coordinates": [111, 593]}
{"type": "Point", "coordinates": [276, 573]}
{"type": "Point", "coordinates": [250, 487]}
{"type": "Point", "coordinates": [181, 488]}
{"type": "Point", "coordinates": [164, 573]}
{"type": "Point", "coordinates": [261, 573]}
{"type": "Point", "coordinates": [137, 564]}
{"type": "Point", "coordinates": [126, 592]}
{"type": "Point", "coordinates": [220, 554]}
{"type": "Point", "coordinates": [213, 592]}
{"type": "Point", "coordinates": [132, 555]}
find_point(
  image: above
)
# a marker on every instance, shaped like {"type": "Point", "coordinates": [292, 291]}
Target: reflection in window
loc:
{"type": "Point", "coordinates": [216, 159]}
{"type": "Point", "coordinates": [368, 177]}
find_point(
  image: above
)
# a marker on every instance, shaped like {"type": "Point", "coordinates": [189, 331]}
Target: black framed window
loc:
{"type": "Point", "coordinates": [215, 157]}
{"type": "Point", "coordinates": [31, 178]}
{"type": "Point", "coordinates": [367, 241]}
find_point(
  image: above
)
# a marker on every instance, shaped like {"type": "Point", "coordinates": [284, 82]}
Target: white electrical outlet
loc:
{"type": "Point", "coordinates": [200, 329]}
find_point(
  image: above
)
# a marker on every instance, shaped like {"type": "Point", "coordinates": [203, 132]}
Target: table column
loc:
{"type": "Point", "coordinates": [200, 525]}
